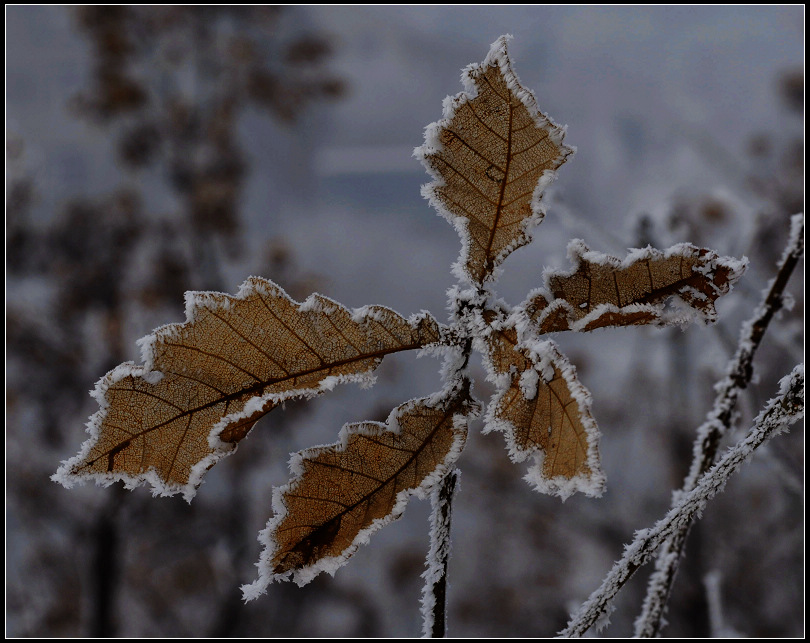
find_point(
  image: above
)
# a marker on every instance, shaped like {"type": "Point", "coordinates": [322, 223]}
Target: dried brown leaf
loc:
{"type": "Point", "coordinates": [206, 382]}
{"type": "Point", "coordinates": [491, 156]}
{"type": "Point", "coordinates": [544, 412]}
{"type": "Point", "coordinates": [343, 493]}
{"type": "Point", "coordinates": [605, 291]}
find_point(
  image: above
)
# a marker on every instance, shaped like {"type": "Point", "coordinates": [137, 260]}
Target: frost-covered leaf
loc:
{"type": "Point", "coordinates": [205, 383]}
{"type": "Point", "coordinates": [344, 492]}
{"type": "Point", "coordinates": [491, 156]}
{"type": "Point", "coordinates": [604, 291]}
{"type": "Point", "coordinates": [544, 412]}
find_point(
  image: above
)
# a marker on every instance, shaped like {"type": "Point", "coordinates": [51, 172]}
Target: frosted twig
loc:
{"type": "Point", "coordinates": [709, 434]}
{"type": "Point", "coordinates": [777, 415]}
{"type": "Point", "coordinates": [714, 602]}
{"type": "Point", "coordinates": [434, 591]}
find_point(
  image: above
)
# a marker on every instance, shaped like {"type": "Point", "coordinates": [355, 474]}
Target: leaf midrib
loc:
{"type": "Point", "coordinates": [252, 390]}
{"type": "Point", "coordinates": [381, 484]}
{"type": "Point", "coordinates": [499, 206]}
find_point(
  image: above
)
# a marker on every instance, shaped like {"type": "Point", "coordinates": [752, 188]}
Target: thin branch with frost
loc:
{"type": "Point", "coordinates": [740, 368]}
{"type": "Point", "coordinates": [714, 602]}
{"type": "Point", "coordinates": [435, 590]}
{"type": "Point", "coordinates": [778, 414]}
{"type": "Point", "coordinates": [738, 376]}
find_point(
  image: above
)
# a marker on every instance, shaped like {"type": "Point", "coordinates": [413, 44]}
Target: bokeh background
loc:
{"type": "Point", "coordinates": [153, 150]}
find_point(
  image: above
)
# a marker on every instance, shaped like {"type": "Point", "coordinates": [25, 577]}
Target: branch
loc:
{"type": "Point", "coordinates": [465, 305]}
{"type": "Point", "coordinates": [434, 591]}
{"type": "Point", "coordinates": [718, 421]}
{"type": "Point", "coordinates": [777, 415]}
{"type": "Point", "coordinates": [719, 629]}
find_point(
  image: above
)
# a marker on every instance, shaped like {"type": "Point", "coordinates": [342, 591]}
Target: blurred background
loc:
{"type": "Point", "coordinates": [154, 150]}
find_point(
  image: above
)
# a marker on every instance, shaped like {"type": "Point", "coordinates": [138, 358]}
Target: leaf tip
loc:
{"type": "Point", "coordinates": [252, 591]}
{"type": "Point", "coordinates": [498, 50]}
{"type": "Point", "coordinates": [63, 477]}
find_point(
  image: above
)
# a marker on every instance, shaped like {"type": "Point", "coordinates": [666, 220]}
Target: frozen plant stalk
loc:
{"type": "Point", "coordinates": [434, 593]}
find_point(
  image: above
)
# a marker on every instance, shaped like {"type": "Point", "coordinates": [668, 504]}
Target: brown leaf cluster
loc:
{"type": "Point", "coordinates": [206, 382]}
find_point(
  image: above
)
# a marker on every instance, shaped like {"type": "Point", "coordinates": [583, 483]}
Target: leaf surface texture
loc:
{"type": "Point", "coordinates": [605, 291]}
{"type": "Point", "coordinates": [544, 412]}
{"type": "Point", "coordinates": [491, 156]}
{"type": "Point", "coordinates": [344, 492]}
